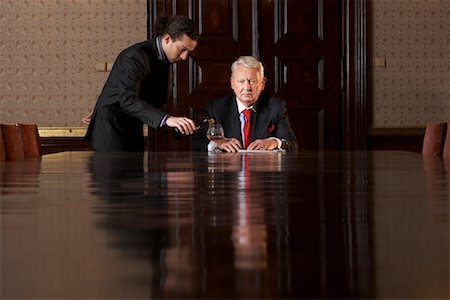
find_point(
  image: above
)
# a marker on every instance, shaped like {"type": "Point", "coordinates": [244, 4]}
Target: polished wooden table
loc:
{"type": "Point", "coordinates": [84, 225]}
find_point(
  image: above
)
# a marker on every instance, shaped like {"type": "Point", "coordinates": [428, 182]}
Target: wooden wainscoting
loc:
{"type": "Point", "coordinates": [72, 139]}
{"type": "Point", "coordinates": [58, 139]}
{"type": "Point", "coordinates": [59, 144]}
{"type": "Point", "coordinates": [408, 138]}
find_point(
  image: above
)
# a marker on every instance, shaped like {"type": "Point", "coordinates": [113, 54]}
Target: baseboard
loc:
{"type": "Point", "coordinates": [396, 138]}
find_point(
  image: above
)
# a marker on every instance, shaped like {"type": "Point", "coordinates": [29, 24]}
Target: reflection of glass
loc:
{"type": "Point", "coordinates": [215, 132]}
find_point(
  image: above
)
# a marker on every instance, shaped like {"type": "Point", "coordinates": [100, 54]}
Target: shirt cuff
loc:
{"type": "Point", "coordinates": [163, 121]}
{"type": "Point", "coordinates": [278, 141]}
{"type": "Point", "coordinates": [212, 146]}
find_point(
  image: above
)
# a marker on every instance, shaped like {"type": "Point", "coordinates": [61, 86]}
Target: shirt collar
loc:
{"type": "Point", "coordinates": [242, 107]}
{"type": "Point", "coordinates": [161, 54]}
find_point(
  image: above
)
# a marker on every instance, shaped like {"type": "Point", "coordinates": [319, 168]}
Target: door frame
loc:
{"type": "Point", "coordinates": [354, 74]}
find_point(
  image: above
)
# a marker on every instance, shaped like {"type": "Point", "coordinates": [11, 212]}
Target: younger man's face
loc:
{"type": "Point", "coordinates": [176, 50]}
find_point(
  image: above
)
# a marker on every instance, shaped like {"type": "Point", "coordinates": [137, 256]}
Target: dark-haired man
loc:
{"type": "Point", "coordinates": [137, 87]}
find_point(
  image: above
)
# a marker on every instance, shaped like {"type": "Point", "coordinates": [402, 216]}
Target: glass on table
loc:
{"type": "Point", "coordinates": [215, 132]}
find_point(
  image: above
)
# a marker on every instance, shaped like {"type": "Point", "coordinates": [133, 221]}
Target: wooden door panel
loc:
{"type": "Point", "coordinates": [313, 120]}
{"type": "Point", "coordinates": [209, 77]}
{"type": "Point", "coordinates": [298, 75]}
{"type": "Point", "coordinates": [303, 66]}
{"type": "Point", "coordinates": [297, 20]}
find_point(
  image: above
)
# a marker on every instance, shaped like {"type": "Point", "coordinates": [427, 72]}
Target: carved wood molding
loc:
{"type": "Point", "coordinates": [354, 75]}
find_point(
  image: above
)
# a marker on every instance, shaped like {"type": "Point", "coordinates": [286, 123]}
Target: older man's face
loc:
{"type": "Point", "coordinates": [247, 84]}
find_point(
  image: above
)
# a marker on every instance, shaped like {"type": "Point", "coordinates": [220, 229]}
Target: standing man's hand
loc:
{"type": "Point", "coordinates": [185, 125]}
{"type": "Point", "coordinates": [87, 119]}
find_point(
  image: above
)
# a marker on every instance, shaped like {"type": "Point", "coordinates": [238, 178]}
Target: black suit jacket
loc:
{"type": "Point", "coordinates": [133, 92]}
{"type": "Point", "coordinates": [269, 120]}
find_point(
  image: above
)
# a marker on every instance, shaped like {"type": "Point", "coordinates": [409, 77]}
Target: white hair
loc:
{"type": "Point", "coordinates": [248, 62]}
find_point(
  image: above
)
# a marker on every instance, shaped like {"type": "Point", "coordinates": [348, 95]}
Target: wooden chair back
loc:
{"type": "Point", "coordinates": [446, 150]}
{"type": "Point", "coordinates": [20, 141]}
{"type": "Point", "coordinates": [434, 138]}
{"type": "Point", "coordinates": [12, 139]}
{"type": "Point", "coordinates": [2, 147]}
{"type": "Point", "coordinates": [30, 139]}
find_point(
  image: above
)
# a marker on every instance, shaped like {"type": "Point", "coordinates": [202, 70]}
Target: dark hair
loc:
{"type": "Point", "coordinates": [175, 26]}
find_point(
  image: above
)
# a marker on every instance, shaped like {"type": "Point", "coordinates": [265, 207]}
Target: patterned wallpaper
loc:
{"type": "Point", "coordinates": [414, 38]}
{"type": "Point", "coordinates": [49, 50]}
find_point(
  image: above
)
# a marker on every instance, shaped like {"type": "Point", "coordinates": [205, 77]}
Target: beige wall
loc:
{"type": "Point", "coordinates": [414, 38]}
{"type": "Point", "coordinates": [49, 50]}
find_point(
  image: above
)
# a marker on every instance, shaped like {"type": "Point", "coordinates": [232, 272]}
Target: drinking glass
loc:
{"type": "Point", "coordinates": [215, 132]}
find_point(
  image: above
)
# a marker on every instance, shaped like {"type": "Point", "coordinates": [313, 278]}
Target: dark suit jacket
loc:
{"type": "Point", "coordinates": [269, 120]}
{"type": "Point", "coordinates": [133, 92]}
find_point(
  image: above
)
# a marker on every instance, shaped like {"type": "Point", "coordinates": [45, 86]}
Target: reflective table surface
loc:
{"type": "Point", "coordinates": [358, 225]}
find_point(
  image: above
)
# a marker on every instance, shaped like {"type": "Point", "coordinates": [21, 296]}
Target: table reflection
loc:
{"type": "Point", "coordinates": [20, 176]}
{"type": "Point", "coordinates": [225, 225]}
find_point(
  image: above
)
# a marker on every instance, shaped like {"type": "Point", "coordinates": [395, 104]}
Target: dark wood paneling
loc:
{"type": "Point", "coordinates": [314, 52]}
{"type": "Point", "coordinates": [302, 54]}
{"type": "Point", "coordinates": [59, 144]}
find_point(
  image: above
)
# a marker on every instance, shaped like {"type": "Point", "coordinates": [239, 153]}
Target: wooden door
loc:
{"type": "Point", "coordinates": [298, 41]}
{"type": "Point", "coordinates": [300, 46]}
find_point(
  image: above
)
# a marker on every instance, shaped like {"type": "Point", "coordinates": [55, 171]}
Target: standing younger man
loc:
{"type": "Point", "coordinates": [137, 88]}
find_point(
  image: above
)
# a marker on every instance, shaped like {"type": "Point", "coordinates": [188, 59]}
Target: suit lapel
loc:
{"type": "Point", "coordinates": [234, 128]}
{"type": "Point", "coordinates": [260, 119]}
{"type": "Point", "coordinates": [232, 123]}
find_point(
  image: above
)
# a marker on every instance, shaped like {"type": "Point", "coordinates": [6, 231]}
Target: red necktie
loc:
{"type": "Point", "coordinates": [247, 127]}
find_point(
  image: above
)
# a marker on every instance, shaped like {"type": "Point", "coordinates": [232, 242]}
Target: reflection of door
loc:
{"type": "Point", "coordinates": [300, 44]}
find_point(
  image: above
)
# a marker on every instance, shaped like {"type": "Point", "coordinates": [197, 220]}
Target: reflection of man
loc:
{"type": "Point", "coordinates": [249, 234]}
{"type": "Point", "coordinates": [250, 120]}
{"type": "Point", "coordinates": [118, 179]}
{"type": "Point", "coordinates": [249, 229]}
{"type": "Point", "coordinates": [147, 207]}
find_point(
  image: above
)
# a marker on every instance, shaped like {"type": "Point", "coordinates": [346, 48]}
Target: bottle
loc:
{"type": "Point", "coordinates": [205, 122]}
